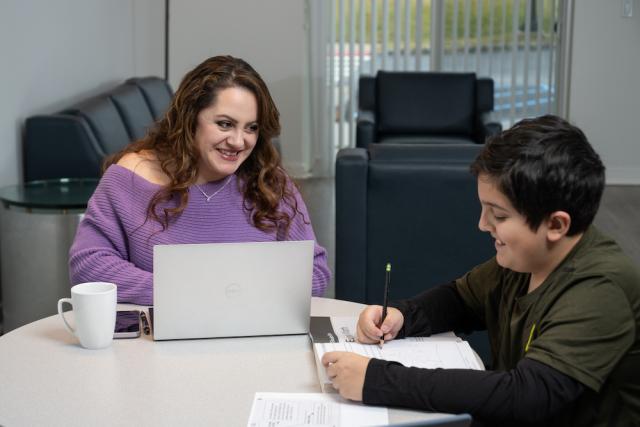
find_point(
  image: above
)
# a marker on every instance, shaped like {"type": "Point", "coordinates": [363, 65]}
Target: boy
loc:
{"type": "Point", "coordinates": [560, 301]}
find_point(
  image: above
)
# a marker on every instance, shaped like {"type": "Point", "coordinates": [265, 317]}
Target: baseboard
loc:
{"type": "Point", "coordinates": [623, 176]}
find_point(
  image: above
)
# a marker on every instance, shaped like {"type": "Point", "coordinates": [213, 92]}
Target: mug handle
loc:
{"type": "Point", "coordinates": [61, 313]}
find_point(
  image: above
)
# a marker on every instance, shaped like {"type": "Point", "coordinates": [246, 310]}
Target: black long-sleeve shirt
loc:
{"type": "Point", "coordinates": [526, 395]}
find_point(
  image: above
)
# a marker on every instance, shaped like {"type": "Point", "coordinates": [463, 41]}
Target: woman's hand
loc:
{"type": "Point", "coordinates": [346, 371]}
{"type": "Point", "coordinates": [367, 330]}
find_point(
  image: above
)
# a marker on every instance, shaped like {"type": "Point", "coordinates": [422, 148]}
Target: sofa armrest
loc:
{"type": "Point", "coordinates": [351, 210]}
{"type": "Point", "coordinates": [484, 94]}
{"type": "Point", "coordinates": [486, 128]}
{"type": "Point", "coordinates": [365, 128]}
{"type": "Point", "coordinates": [60, 146]}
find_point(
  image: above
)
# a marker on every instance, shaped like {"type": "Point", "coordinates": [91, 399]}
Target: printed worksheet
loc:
{"type": "Point", "coordinates": [419, 352]}
{"type": "Point", "coordinates": [312, 409]}
{"type": "Point", "coordinates": [437, 351]}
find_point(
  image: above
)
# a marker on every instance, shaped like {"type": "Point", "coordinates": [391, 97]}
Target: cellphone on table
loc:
{"type": "Point", "coordinates": [127, 324]}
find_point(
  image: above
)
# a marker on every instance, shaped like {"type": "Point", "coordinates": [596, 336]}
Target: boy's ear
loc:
{"type": "Point", "coordinates": [558, 225]}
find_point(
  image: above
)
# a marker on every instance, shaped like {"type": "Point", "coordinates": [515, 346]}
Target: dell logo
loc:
{"type": "Point", "coordinates": [233, 290]}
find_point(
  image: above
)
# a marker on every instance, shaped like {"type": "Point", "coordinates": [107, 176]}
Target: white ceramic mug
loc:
{"type": "Point", "coordinates": [94, 310]}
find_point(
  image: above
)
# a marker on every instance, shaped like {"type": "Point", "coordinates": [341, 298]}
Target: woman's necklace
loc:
{"type": "Point", "coordinates": [209, 197]}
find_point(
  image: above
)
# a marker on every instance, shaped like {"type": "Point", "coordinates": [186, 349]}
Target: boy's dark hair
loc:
{"type": "Point", "coordinates": [543, 165]}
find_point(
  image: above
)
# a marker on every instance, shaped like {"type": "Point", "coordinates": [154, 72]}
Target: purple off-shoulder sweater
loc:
{"type": "Point", "coordinates": [114, 241]}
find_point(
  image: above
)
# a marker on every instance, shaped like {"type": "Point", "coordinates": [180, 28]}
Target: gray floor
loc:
{"type": "Point", "coordinates": [617, 217]}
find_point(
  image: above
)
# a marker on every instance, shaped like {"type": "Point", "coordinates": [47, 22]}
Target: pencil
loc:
{"type": "Point", "coordinates": [385, 302]}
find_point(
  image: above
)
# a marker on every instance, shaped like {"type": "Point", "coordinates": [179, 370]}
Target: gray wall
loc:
{"type": "Point", "coordinates": [56, 52]}
{"type": "Point", "coordinates": [604, 95]}
{"type": "Point", "coordinates": [269, 35]}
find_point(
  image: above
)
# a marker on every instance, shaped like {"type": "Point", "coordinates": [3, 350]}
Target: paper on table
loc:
{"type": "Point", "coordinates": [312, 409]}
{"type": "Point", "coordinates": [419, 352]}
{"type": "Point", "coordinates": [437, 351]}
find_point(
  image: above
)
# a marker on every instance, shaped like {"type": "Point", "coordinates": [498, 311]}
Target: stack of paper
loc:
{"type": "Point", "coordinates": [436, 351]}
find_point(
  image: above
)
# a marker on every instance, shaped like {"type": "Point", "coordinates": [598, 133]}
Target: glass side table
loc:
{"type": "Point", "coordinates": [38, 222]}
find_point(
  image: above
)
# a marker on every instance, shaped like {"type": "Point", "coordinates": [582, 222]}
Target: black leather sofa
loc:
{"type": "Point", "coordinates": [415, 206]}
{"type": "Point", "coordinates": [73, 143]}
{"type": "Point", "coordinates": [424, 108]}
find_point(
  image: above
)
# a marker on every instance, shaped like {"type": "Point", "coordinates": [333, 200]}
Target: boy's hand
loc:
{"type": "Point", "coordinates": [367, 330]}
{"type": "Point", "coordinates": [346, 371]}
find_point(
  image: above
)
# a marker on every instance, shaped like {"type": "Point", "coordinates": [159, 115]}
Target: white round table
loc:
{"type": "Point", "coordinates": [46, 378]}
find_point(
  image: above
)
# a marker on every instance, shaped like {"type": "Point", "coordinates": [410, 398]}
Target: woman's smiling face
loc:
{"type": "Point", "coordinates": [226, 133]}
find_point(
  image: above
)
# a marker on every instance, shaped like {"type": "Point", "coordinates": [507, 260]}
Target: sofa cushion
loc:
{"type": "Point", "coordinates": [425, 103]}
{"type": "Point", "coordinates": [104, 120]}
{"type": "Point", "coordinates": [424, 153]}
{"type": "Point", "coordinates": [157, 93]}
{"type": "Point", "coordinates": [133, 109]}
{"type": "Point", "coordinates": [425, 139]}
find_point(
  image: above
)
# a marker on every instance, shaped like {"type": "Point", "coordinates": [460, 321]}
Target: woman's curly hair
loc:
{"type": "Point", "coordinates": [172, 141]}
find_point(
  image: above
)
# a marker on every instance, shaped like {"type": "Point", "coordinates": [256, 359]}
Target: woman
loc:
{"type": "Point", "coordinates": [207, 172]}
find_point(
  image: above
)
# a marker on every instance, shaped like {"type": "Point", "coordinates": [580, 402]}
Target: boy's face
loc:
{"type": "Point", "coordinates": [518, 248]}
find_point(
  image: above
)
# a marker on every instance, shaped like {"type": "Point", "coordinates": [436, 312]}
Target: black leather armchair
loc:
{"type": "Point", "coordinates": [415, 206]}
{"type": "Point", "coordinates": [424, 108]}
{"type": "Point", "coordinates": [73, 143]}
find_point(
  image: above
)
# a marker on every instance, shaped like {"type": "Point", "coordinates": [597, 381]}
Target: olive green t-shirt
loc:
{"type": "Point", "coordinates": [583, 320]}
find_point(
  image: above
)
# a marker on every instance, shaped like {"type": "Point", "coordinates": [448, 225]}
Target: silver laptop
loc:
{"type": "Point", "coordinates": [231, 289]}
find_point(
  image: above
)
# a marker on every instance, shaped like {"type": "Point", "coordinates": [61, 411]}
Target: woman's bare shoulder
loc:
{"type": "Point", "coordinates": [146, 165]}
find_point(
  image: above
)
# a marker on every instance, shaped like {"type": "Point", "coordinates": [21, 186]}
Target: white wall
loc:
{"type": "Point", "coordinates": [604, 97]}
{"type": "Point", "coordinates": [269, 35]}
{"type": "Point", "coordinates": [57, 52]}
{"type": "Point", "coordinates": [148, 37]}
